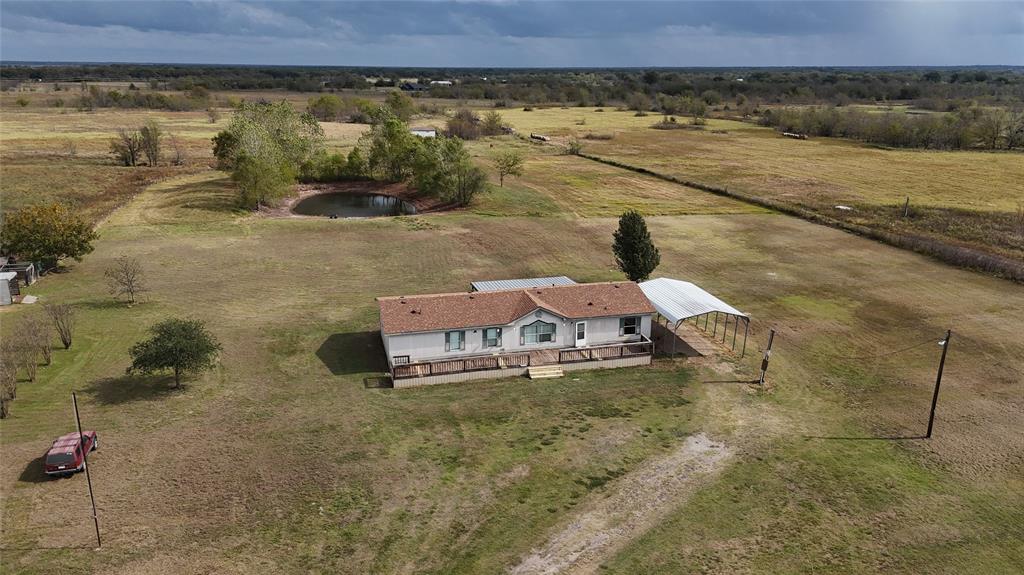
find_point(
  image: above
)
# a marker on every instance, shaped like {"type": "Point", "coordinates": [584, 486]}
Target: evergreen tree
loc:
{"type": "Point", "coordinates": [634, 251]}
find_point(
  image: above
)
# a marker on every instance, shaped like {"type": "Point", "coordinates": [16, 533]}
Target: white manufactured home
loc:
{"type": "Point", "coordinates": [441, 338]}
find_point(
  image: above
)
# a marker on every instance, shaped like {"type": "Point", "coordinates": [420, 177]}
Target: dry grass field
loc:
{"type": "Point", "coordinates": [966, 198]}
{"type": "Point", "coordinates": [287, 459]}
{"type": "Point", "coordinates": [588, 189]}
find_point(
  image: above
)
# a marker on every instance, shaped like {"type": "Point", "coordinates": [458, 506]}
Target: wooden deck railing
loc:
{"type": "Point", "coordinates": [603, 352]}
{"type": "Point", "coordinates": [461, 365]}
{"type": "Point", "coordinates": [520, 359]}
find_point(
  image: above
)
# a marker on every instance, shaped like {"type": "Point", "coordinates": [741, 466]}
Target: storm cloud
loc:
{"type": "Point", "coordinates": [517, 33]}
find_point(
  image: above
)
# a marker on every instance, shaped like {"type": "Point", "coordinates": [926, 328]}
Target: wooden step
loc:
{"type": "Point", "coordinates": [546, 372]}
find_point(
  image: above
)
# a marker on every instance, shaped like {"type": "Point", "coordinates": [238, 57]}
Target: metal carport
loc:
{"type": "Point", "coordinates": [678, 301]}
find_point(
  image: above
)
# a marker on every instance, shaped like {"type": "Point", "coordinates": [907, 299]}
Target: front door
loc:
{"type": "Point", "coordinates": [581, 334]}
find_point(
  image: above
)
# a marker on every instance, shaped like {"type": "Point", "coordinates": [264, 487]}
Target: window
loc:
{"type": "Point", "coordinates": [537, 332]}
{"type": "Point", "coordinates": [629, 325]}
{"type": "Point", "coordinates": [492, 337]}
{"type": "Point", "coordinates": [454, 340]}
{"type": "Point", "coordinates": [400, 360]}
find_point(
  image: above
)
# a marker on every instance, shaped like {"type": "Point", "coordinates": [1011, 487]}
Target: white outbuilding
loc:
{"type": "Point", "coordinates": [6, 297]}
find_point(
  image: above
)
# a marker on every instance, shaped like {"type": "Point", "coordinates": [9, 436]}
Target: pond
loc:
{"type": "Point", "coordinates": [345, 205]}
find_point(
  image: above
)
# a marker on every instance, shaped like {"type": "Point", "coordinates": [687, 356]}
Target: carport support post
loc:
{"type": "Point", "coordinates": [85, 463]}
{"type": "Point", "coordinates": [746, 332]}
{"type": "Point", "coordinates": [767, 356]}
{"type": "Point", "coordinates": [938, 380]}
{"type": "Point", "coordinates": [714, 332]}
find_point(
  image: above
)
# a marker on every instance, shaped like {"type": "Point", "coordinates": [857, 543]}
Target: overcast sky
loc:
{"type": "Point", "coordinates": [506, 33]}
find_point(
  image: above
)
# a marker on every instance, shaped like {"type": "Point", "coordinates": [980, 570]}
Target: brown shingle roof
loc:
{"type": "Point", "coordinates": [436, 312]}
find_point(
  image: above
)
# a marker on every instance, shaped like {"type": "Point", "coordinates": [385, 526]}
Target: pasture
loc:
{"type": "Point", "coordinates": [966, 198]}
{"type": "Point", "coordinates": [287, 459]}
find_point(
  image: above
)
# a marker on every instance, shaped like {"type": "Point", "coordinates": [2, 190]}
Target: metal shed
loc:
{"type": "Point", "coordinates": [523, 283]}
{"type": "Point", "coordinates": [678, 301]}
{"type": "Point", "coordinates": [6, 292]}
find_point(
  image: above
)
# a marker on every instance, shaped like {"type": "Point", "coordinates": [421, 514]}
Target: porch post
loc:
{"type": "Point", "coordinates": [746, 332]}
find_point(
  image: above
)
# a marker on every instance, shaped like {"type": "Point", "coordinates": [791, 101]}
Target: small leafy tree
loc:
{"type": "Point", "coordinates": [126, 277]}
{"type": "Point", "coordinates": [400, 104]}
{"type": "Point", "coordinates": [492, 124]}
{"type": "Point", "coordinates": [63, 316]}
{"type": "Point", "coordinates": [127, 147]}
{"type": "Point", "coordinates": [635, 253]}
{"type": "Point", "coordinates": [179, 345]}
{"type": "Point", "coordinates": [508, 163]}
{"type": "Point", "coordinates": [225, 147]}
{"type": "Point", "coordinates": [325, 107]}
{"type": "Point", "coordinates": [151, 135]}
{"type": "Point", "coordinates": [574, 148]}
{"type": "Point", "coordinates": [262, 181]}
{"type": "Point", "coordinates": [470, 180]}
{"type": "Point", "coordinates": [392, 149]}
{"type": "Point", "coordinates": [355, 165]}
{"type": "Point", "coordinates": [264, 146]}
{"type": "Point", "coordinates": [46, 233]}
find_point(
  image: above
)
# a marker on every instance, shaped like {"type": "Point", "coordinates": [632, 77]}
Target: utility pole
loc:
{"type": "Point", "coordinates": [767, 356]}
{"type": "Point", "coordinates": [938, 380]}
{"type": "Point", "coordinates": [85, 463]}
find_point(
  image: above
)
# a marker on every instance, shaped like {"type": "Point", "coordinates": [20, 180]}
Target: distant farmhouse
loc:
{"type": "Point", "coordinates": [537, 326]}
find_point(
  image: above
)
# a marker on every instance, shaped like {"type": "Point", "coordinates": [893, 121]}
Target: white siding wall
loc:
{"type": "Point", "coordinates": [430, 345]}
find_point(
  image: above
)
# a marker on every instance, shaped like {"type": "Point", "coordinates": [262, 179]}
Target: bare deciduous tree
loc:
{"type": "Point", "coordinates": [213, 114]}
{"type": "Point", "coordinates": [151, 135]}
{"type": "Point", "coordinates": [36, 331]}
{"type": "Point", "coordinates": [63, 316]}
{"type": "Point", "coordinates": [127, 147]}
{"type": "Point", "coordinates": [126, 277]}
{"type": "Point", "coordinates": [180, 155]}
{"type": "Point", "coordinates": [26, 357]}
{"type": "Point", "coordinates": [8, 378]}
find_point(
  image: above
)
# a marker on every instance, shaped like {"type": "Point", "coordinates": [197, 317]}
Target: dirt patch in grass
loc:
{"type": "Point", "coordinates": [631, 504]}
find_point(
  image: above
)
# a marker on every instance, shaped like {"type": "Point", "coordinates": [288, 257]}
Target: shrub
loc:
{"type": "Point", "coordinates": [464, 124]}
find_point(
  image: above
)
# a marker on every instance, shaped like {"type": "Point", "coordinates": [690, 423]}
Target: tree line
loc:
{"type": "Point", "coordinates": [967, 128]}
{"type": "Point", "coordinates": [596, 87]}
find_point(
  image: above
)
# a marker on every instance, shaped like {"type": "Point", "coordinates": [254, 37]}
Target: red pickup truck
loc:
{"type": "Point", "coordinates": [67, 454]}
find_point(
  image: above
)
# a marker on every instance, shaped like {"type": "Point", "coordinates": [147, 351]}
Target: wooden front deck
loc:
{"type": "Point", "coordinates": [522, 360]}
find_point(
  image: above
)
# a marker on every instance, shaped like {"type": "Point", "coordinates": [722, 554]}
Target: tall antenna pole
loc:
{"type": "Point", "coordinates": [85, 463]}
{"type": "Point", "coordinates": [938, 380]}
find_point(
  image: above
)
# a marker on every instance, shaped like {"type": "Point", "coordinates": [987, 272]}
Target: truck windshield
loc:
{"type": "Point", "coordinates": [59, 459]}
